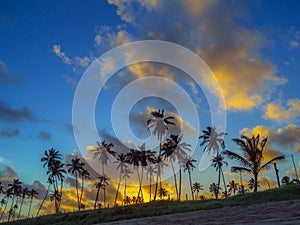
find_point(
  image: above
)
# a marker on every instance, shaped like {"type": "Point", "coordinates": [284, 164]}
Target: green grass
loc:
{"type": "Point", "coordinates": [161, 208]}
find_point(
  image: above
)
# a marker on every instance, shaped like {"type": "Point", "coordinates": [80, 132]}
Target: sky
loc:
{"type": "Point", "coordinates": [46, 47]}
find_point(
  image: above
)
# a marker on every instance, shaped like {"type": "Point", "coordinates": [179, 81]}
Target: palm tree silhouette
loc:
{"type": "Point", "coordinates": [162, 192]}
{"type": "Point", "coordinates": [9, 194]}
{"type": "Point", "coordinates": [174, 149]}
{"type": "Point", "coordinates": [50, 182]}
{"type": "Point", "coordinates": [150, 172]}
{"type": "Point", "coordinates": [233, 187]}
{"type": "Point", "coordinates": [50, 157]}
{"type": "Point", "coordinates": [104, 153]}
{"type": "Point", "coordinates": [251, 162]}
{"type": "Point", "coordinates": [121, 160]}
{"type": "Point", "coordinates": [76, 167]}
{"type": "Point", "coordinates": [197, 187]}
{"type": "Point", "coordinates": [212, 139]}
{"type": "Point", "coordinates": [218, 162]}
{"type": "Point", "coordinates": [242, 188]}
{"type": "Point", "coordinates": [127, 200]}
{"type": "Point", "coordinates": [56, 197]}
{"type": "Point", "coordinates": [126, 175]}
{"type": "Point", "coordinates": [24, 194]}
{"type": "Point", "coordinates": [84, 175]}
{"type": "Point", "coordinates": [251, 184]}
{"type": "Point", "coordinates": [31, 194]}
{"type": "Point", "coordinates": [214, 189]}
{"type": "Point", "coordinates": [285, 180]}
{"type": "Point", "coordinates": [101, 184]}
{"type": "Point", "coordinates": [15, 187]}
{"type": "Point", "coordinates": [98, 186]}
{"type": "Point", "coordinates": [3, 202]}
{"type": "Point", "coordinates": [158, 126]}
{"type": "Point", "coordinates": [189, 166]}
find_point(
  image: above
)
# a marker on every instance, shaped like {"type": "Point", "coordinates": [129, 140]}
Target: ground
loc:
{"type": "Point", "coordinates": [285, 212]}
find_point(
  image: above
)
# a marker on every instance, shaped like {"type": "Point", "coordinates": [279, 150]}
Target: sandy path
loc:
{"type": "Point", "coordinates": [286, 212]}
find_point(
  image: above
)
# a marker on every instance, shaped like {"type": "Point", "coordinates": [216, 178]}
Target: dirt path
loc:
{"type": "Point", "coordinates": [286, 212]}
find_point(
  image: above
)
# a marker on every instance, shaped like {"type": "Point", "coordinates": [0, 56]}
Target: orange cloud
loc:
{"type": "Point", "coordinates": [275, 111]}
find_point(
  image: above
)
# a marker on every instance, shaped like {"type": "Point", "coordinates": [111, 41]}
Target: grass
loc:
{"type": "Point", "coordinates": [161, 207]}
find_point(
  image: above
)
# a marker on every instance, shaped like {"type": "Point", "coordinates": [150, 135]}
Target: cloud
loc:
{"type": "Point", "coordinates": [285, 137]}
{"type": "Point", "coordinates": [57, 50]}
{"type": "Point", "coordinates": [211, 28]}
{"type": "Point", "coordinates": [8, 173]}
{"type": "Point", "coordinates": [9, 132]}
{"type": "Point", "coordinates": [70, 80]}
{"type": "Point", "coordinates": [44, 135]}
{"type": "Point", "coordinates": [279, 113]}
{"type": "Point", "coordinates": [266, 182]}
{"type": "Point", "coordinates": [9, 114]}
{"type": "Point", "coordinates": [5, 77]}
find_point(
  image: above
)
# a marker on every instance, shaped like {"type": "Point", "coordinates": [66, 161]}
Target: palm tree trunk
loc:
{"type": "Point", "coordinates": [118, 188]}
{"type": "Point", "coordinates": [81, 193]}
{"type": "Point", "coordinates": [225, 188]}
{"type": "Point", "coordinates": [277, 176]}
{"type": "Point", "coordinates": [43, 200]}
{"type": "Point", "coordinates": [295, 167]}
{"type": "Point", "coordinates": [139, 178]}
{"type": "Point", "coordinates": [76, 185]}
{"type": "Point", "coordinates": [20, 208]}
{"type": "Point", "coordinates": [191, 186]}
{"type": "Point", "coordinates": [11, 207]}
{"type": "Point", "coordinates": [255, 182]}
{"type": "Point", "coordinates": [179, 192]}
{"type": "Point", "coordinates": [104, 196]}
{"type": "Point", "coordinates": [219, 179]}
{"type": "Point", "coordinates": [3, 210]}
{"type": "Point", "coordinates": [124, 189]}
{"type": "Point", "coordinates": [157, 180]}
{"type": "Point", "coordinates": [175, 179]}
{"type": "Point", "coordinates": [97, 196]}
{"type": "Point", "coordinates": [29, 207]}
{"type": "Point", "coordinates": [242, 186]}
{"type": "Point", "coordinates": [150, 186]}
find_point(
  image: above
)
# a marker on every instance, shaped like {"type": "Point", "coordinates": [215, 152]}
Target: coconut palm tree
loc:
{"type": "Point", "coordinates": [121, 160]}
{"type": "Point", "coordinates": [56, 197]}
{"type": "Point", "coordinates": [197, 187]}
{"type": "Point", "coordinates": [162, 192]}
{"type": "Point", "coordinates": [214, 189]}
{"type": "Point", "coordinates": [127, 200]}
{"type": "Point", "coordinates": [189, 166]}
{"type": "Point", "coordinates": [126, 175]}
{"type": "Point", "coordinates": [15, 187]}
{"type": "Point", "coordinates": [241, 187]}
{"type": "Point", "coordinates": [98, 186]}
{"type": "Point", "coordinates": [251, 161]}
{"type": "Point", "coordinates": [150, 172]}
{"type": "Point", "coordinates": [251, 184]}
{"type": "Point", "coordinates": [50, 182]}
{"type": "Point", "coordinates": [218, 162]}
{"type": "Point", "coordinates": [104, 153]}
{"type": "Point", "coordinates": [176, 150]}
{"type": "Point", "coordinates": [24, 194]}
{"type": "Point", "coordinates": [9, 194]}
{"type": "Point", "coordinates": [50, 157]}
{"type": "Point", "coordinates": [212, 139]}
{"type": "Point", "coordinates": [84, 175]}
{"type": "Point", "coordinates": [3, 204]}
{"type": "Point", "coordinates": [31, 194]}
{"type": "Point", "coordinates": [233, 187]}
{"type": "Point", "coordinates": [285, 180]}
{"type": "Point", "coordinates": [76, 167]}
{"type": "Point", "coordinates": [158, 126]}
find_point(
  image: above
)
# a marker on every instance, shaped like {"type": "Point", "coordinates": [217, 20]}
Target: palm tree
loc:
{"type": "Point", "coordinates": [162, 192]}
{"type": "Point", "coordinates": [104, 153]}
{"type": "Point", "coordinates": [50, 157]}
{"type": "Point", "coordinates": [98, 186]}
{"type": "Point", "coordinates": [251, 184]}
{"type": "Point", "coordinates": [127, 200]}
{"type": "Point", "coordinates": [9, 194]}
{"type": "Point", "coordinates": [126, 175]}
{"type": "Point", "coordinates": [76, 167]}
{"type": "Point", "coordinates": [214, 189]}
{"type": "Point", "coordinates": [103, 182]}
{"type": "Point", "coordinates": [233, 187]}
{"type": "Point", "coordinates": [31, 194]}
{"type": "Point", "coordinates": [285, 180]}
{"type": "Point", "coordinates": [189, 166]}
{"type": "Point", "coordinates": [150, 172]}
{"type": "Point", "coordinates": [212, 139]}
{"type": "Point", "coordinates": [50, 182]}
{"type": "Point", "coordinates": [3, 204]}
{"type": "Point", "coordinates": [158, 126]}
{"type": "Point", "coordinates": [175, 149]}
{"type": "Point", "coordinates": [84, 175]}
{"type": "Point", "coordinates": [121, 158]}
{"type": "Point", "coordinates": [197, 187]}
{"type": "Point", "coordinates": [218, 162]}
{"type": "Point", "coordinates": [56, 197]}
{"type": "Point", "coordinates": [15, 187]}
{"type": "Point", "coordinates": [251, 161]}
{"type": "Point", "coordinates": [242, 188]}
{"type": "Point", "coordinates": [24, 194]}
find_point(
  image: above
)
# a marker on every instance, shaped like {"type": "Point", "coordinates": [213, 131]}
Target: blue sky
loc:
{"type": "Point", "coordinates": [252, 48]}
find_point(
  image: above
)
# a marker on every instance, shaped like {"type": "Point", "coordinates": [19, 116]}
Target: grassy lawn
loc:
{"type": "Point", "coordinates": [161, 208]}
